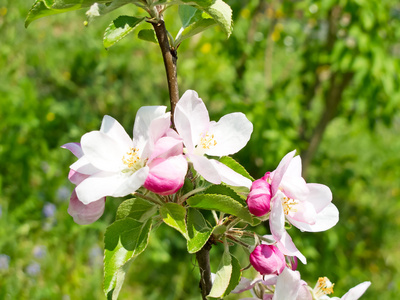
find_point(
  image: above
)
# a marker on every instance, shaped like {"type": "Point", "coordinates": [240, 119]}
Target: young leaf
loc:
{"type": "Point", "coordinates": [194, 29]}
{"type": "Point", "coordinates": [138, 209]}
{"type": "Point", "coordinates": [124, 240]}
{"type": "Point", "coordinates": [223, 276]}
{"type": "Point", "coordinates": [119, 28]}
{"type": "Point", "coordinates": [174, 215]}
{"type": "Point", "coordinates": [221, 203]}
{"type": "Point", "coordinates": [222, 14]}
{"type": "Point", "coordinates": [235, 166]}
{"type": "Point", "coordinates": [222, 189]}
{"type": "Point", "coordinates": [148, 35]}
{"type": "Point", "coordinates": [235, 277]}
{"type": "Point", "coordinates": [198, 230]}
{"type": "Point", "coordinates": [186, 13]}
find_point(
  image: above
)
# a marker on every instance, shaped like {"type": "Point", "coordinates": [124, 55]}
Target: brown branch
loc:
{"type": "Point", "coordinates": [170, 58]}
{"type": "Point", "coordinates": [203, 259]}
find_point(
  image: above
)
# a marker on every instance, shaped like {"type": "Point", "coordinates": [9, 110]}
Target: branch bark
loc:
{"type": "Point", "coordinates": [170, 58]}
{"type": "Point", "coordinates": [203, 259]}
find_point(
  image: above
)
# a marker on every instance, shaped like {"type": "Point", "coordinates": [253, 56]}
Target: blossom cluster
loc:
{"type": "Point", "coordinates": [110, 163]}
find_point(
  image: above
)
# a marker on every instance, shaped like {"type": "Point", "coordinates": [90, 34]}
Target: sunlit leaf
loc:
{"type": "Point", "coordinates": [174, 215]}
{"type": "Point", "coordinates": [120, 28]}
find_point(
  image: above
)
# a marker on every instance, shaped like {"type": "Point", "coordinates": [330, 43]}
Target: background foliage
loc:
{"type": "Point", "coordinates": [319, 76]}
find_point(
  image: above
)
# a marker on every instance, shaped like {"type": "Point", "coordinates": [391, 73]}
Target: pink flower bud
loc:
{"type": "Point", "coordinates": [267, 260]}
{"type": "Point", "coordinates": [259, 198]}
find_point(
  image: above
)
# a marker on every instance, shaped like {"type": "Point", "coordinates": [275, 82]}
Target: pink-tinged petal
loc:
{"type": "Point", "coordinates": [114, 130]}
{"type": "Point", "coordinates": [229, 176]}
{"type": "Point", "coordinates": [277, 217]}
{"type": "Point", "coordinates": [267, 260]}
{"type": "Point", "coordinates": [304, 213]}
{"type": "Point", "coordinates": [110, 184]}
{"type": "Point", "coordinates": [75, 148]}
{"type": "Point", "coordinates": [245, 284]}
{"type": "Point", "coordinates": [304, 292]}
{"type": "Point", "coordinates": [277, 175]}
{"type": "Point", "coordinates": [288, 285]}
{"type": "Point", "coordinates": [166, 147]}
{"type": "Point", "coordinates": [294, 187]}
{"type": "Point", "coordinates": [159, 127]}
{"type": "Point", "coordinates": [205, 168]}
{"type": "Point", "coordinates": [231, 133]}
{"type": "Point", "coordinates": [85, 214]}
{"type": "Point", "coordinates": [144, 117]}
{"type": "Point", "coordinates": [102, 151]}
{"type": "Point", "coordinates": [325, 220]}
{"type": "Point", "coordinates": [287, 247]}
{"type": "Point", "coordinates": [320, 196]}
{"type": "Point", "coordinates": [294, 168]}
{"type": "Point", "coordinates": [166, 176]}
{"type": "Point", "coordinates": [83, 166]}
{"type": "Point", "coordinates": [76, 177]}
{"type": "Point", "coordinates": [259, 198]}
{"type": "Point", "coordinates": [191, 119]}
{"type": "Point", "coordinates": [357, 291]}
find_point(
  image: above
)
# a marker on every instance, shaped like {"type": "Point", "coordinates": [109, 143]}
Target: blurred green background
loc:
{"type": "Point", "coordinates": [321, 77]}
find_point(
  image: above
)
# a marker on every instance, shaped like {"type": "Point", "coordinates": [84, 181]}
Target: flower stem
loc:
{"type": "Point", "coordinates": [170, 58]}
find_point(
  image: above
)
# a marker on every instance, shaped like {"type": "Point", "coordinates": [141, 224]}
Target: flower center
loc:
{"type": "Point", "coordinates": [323, 287]}
{"type": "Point", "coordinates": [289, 205]}
{"type": "Point", "coordinates": [207, 141]}
{"type": "Point", "coordinates": [132, 161]}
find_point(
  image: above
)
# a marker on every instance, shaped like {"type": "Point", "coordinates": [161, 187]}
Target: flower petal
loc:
{"type": "Point", "coordinates": [287, 247]}
{"type": "Point", "coordinates": [191, 119]}
{"type": "Point", "coordinates": [144, 116]}
{"type": "Point", "coordinates": [205, 168]}
{"type": "Point", "coordinates": [325, 220]}
{"type": "Point", "coordinates": [277, 175]}
{"type": "Point", "coordinates": [165, 147]}
{"type": "Point", "coordinates": [102, 151]}
{"type": "Point", "coordinates": [277, 217]}
{"type": "Point", "coordinates": [288, 285]}
{"type": "Point", "coordinates": [229, 176]}
{"type": "Point", "coordinates": [83, 166]}
{"type": "Point", "coordinates": [231, 133]}
{"type": "Point", "coordinates": [75, 148]}
{"type": "Point", "coordinates": [357, 291]}
{"type": "Point", "coordinates": [166, 176]}
{"type": "Point", "coordinates": [85, 214]}
{"type": "Point", "coordinates": [114, 130]}
{"type": "Point", "coordinates": [76, 177]}
{"type": "Point", "coordinates": [320, 196]}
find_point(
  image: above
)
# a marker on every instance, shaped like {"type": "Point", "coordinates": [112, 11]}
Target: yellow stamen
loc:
{"type": "Point", "coordinates": [208, 141]}
{"type": "Point", "coordinates": [288, 205]}
{"type": "Point", "coordinates": [132, 159]}
{"type": "Point", "coordinates": [323, 287]}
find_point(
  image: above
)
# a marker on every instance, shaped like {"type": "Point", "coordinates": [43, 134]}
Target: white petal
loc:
{"type": "Point", "coordinates": [229, 176]}
{"type": "Point", "coordinates": [83, 166]}
{"type": "Point", "coordinates": [294, 187]}
{"type": "Point", "coordinates": [288, 285]}
{"type": "Point", "coordinates": [357, 291]}
{"type": "Point", "coordinates": [287, 247]}
{"type": "Point", "coordinates": [191, 119]}
{"type": "Point", "coordinates": [320, 196]}
{"type": "Point", "coordinates": [231, 133]}
{"type": "Point", "coordinates": [102, 151]}
{"type": "Point", "coordinates": [114, 129]}
{"type": "Point", "coordinates": [144, 117]}
{"type": "Point", "coordinates": [294, 168]}
{"type": "Point", "coordinates": [205, 168]}
{"type": "Point", "coordinates": [325, 220]}
{"type": "Point", "coordinates": [277, 175]}
{"type": "Point", "coordinates": [75, 148]}
{"type": "Point", "coordinates": [277, 217]}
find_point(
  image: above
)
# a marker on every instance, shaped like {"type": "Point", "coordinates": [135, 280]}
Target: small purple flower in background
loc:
{"type": "Point", "coordinates": [33, 269]}
{"type": "Point", "coordinates": [39, 251]}
{"type": "Point", "coordinates": [95, 256]}
{"type": "Point", "coordinates": [49, 210]}
{"type": "Point", "coordinates": [4, 262]}
{"type": "Point", "coordinates": [63, 193]}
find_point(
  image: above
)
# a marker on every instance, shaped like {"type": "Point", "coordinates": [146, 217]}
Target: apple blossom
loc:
{"type": "Point", "coordinates": [81, 213]}
{"type": "Point", "coordinates": [202, 137]}
{"type": "Point", "coordinates": [267, 259]}
{"type": "Point", "coordinates": [153, 157]}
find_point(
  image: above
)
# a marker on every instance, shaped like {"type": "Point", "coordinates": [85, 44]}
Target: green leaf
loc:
{"type": "Point", "coordinates": [186, 13]}
{"type": "Point", "coordinates": [174, 215]}
{"type": "Point", "coordinates": [223, 276]}
{"type": "Point", "coordinates": [124, 240]}
{"type": "Point", "coordinates": [235, 276]}
{"type": "Point", "coordinates": [43, 8]}
{"type": "Point", "coordinates": [119, 28]}
{"type": "Point", "coordinates": [148, 35]}
{"type": "Point", "coordinates": [198, 230]}
{"type": "Point", "coordinates": [235, 166]}
{"type": "Point", "coordinates": [138, 209]}
{"type": "Point", "coordinates": [194, 29]}
{"type": "Point", "coordinates": [221, 203]}
{"type": "Point", "coordinates": [222, 189]}
{"type": "Point", "coordinates": [222, 14]}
